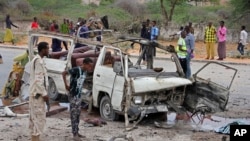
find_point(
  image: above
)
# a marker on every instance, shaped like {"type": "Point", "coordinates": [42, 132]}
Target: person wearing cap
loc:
{"type": "Point", "coordinates": [221, 34]}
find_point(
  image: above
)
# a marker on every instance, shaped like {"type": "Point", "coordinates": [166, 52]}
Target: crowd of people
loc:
{"type": "Point", "coordinates": [82, 29]}
{"type": "Point", "coordinates": [186, 42]}
{"type": "Point", "coordinates": [151, 32]}
{"type": "Point", "coordinates": [220, 35]}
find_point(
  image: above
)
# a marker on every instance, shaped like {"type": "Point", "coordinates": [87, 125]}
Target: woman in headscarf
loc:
{"type": "Point", "coordinates": [8, 37]}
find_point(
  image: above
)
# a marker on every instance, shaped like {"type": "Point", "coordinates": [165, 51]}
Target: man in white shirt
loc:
{"type": "Point", "coordinates": [243, 40]}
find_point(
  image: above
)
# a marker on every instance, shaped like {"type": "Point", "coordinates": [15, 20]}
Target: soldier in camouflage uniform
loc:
{"type": "Point", "coordinates": [38, 92]}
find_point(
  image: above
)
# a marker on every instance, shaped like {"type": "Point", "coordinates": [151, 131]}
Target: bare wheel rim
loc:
{"type": "Point", "coordinates": [106, 109]}
{"type": "Point", "coordinates": [52, 89]}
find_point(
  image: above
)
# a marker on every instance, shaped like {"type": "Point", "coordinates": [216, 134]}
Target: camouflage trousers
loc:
{"type": "Point", "coordinates": [37, 118]}
{"type": "Point", "coordinates": [75, 112]}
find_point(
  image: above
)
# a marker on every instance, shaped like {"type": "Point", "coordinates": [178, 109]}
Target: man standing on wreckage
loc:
{"type": "Point", "coordinates": [38, 92]}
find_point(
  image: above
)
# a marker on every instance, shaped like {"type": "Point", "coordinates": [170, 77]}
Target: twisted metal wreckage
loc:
{"type": "Point", "coordinates": [201, 98]}
{"type": "Point", "coordinates": [140, 91]}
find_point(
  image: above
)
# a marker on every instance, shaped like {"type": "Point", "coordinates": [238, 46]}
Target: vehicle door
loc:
{"type": "Point", "coordinates": [55, 66]}
{"type": "Point", "coordinates": [211, 87]}
{"type": "Point", "coordinates": [106, 80]}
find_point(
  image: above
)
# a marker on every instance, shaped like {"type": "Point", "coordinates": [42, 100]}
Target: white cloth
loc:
{"type": "Point", "coordinates": [243, 37]}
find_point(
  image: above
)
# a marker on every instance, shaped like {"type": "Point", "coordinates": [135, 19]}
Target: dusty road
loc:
{"type": "Point", "coordinates": [58, 126]}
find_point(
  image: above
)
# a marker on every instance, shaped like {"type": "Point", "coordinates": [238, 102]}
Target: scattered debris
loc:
{"type": "Point", "coordinates": [16, 105]}
{"type": "Point", "coordinates": [6, 112]}
{"type": "Point", "coordinates": [121, 137]}
{"type": "Point", "coordinates": [163, 125]}
{"type": "Point", "coordinates": [226, 129]}
{"type": "Point", "coordinates": [65, 105]}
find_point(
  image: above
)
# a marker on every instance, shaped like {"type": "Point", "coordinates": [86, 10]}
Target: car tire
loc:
{"type": "Point", "coordinates": [52, 90]}
{"type": "Point", "coordinates": [106, 110]}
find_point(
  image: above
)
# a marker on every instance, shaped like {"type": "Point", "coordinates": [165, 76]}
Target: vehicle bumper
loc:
{"type": "Point", "coordinates": [135, 111]}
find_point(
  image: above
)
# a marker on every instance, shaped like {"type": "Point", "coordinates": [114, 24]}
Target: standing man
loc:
{"type": "Point", "coordinates": [65, 30]}
{"type": "Point", "coordinates": [181, 51]}
{"type": "Point", "coordinates": [144, 35]}
{"type": "Point", "coordinates": [35, 27]}
{"type": "Point", "coordinates": [190, 44]}
{"type": "Point", "coordinates": [210, 39]}
{"type": "Point", "coordinates": [56, 43]}
{"type": "Point", "coordinates": [154, 34]}
{"type": "Point", "coordinates": [221, 34]}
{"type": "Point", "coordinates": [148, 26]}
{"type": "Point", "coordinates": [52, 26]}
{"type": "Point", "coordinates": [64, 27]}
{"type": "Point", "coordinates": [177, 33]}
{"type": "Point", "coordinates": [191, 29]}
{"type": "Point", "coordinates": [8, 37]}
{"type": "Point", "coordinates": [83, 29]}
{"type": "Point", "coordinates": [38, 92]}
{"type": "Point", "coordinates": [243, 40]}
{"type": "Point", "coordinates": [78, 75]}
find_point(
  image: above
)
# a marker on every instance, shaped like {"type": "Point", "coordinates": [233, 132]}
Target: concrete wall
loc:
{"type": "Point", "coordinates": [97, 2]}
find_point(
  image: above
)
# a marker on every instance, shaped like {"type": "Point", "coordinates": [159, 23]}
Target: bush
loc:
{"type": "Point", "coordinates": [24, 6]}
{"type": "Point", "coordinates": [45, 19]}
{"type": "Point", "coordinates": [131, 6]}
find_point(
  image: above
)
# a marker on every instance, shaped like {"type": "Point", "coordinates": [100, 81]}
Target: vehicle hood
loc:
{"type": "Point", "coordinates": [148, 84]}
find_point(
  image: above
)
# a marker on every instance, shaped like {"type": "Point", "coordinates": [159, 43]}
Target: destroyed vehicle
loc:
{"type": "Point", "coordinates": [117, 86]}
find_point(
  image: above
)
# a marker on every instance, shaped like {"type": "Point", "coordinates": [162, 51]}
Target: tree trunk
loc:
{"type": "Point", "coordinates": [164, 12]}
{"type": "Point", "coordinates": [173, 3]}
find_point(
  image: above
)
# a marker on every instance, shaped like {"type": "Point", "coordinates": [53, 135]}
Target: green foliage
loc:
{"type": "Point", "coordinates": [74, 9]}
{"type": "Point", "coordinates": [240, 6]}
{"type": "Point", "coordinates": [3, 5]}
{"type": "Point", "coordinates": [241, 12]}
{"type": "Point", "coordinates": [52, 4]}
{"type": "Point", "coordinates": [185, 13]}
{"type": "Point", "coordinates": [107, 2]}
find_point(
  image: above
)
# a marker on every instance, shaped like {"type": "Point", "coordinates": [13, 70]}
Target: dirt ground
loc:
{"type": "Point", "coordinates": [58, 127]}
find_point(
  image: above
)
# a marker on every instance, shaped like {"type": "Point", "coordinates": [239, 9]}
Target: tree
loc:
{"type": "Point", "coordinates": [3, 5]}
{"type": "Point", "coordinates": [168, 17]}
{"type": "Point", "coordinates": [241, 8]}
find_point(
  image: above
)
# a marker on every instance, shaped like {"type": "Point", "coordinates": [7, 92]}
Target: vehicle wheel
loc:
{"type": "Point", "coordinates": [52, 90]}
{"type": "Point", "coordinates": [106, 109]}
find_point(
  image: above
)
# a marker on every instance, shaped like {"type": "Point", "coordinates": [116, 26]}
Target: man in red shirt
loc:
{"type": "Point", "coordinates": [35, 27]}
{"type": "Point", "coordinates": [52, 26]}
